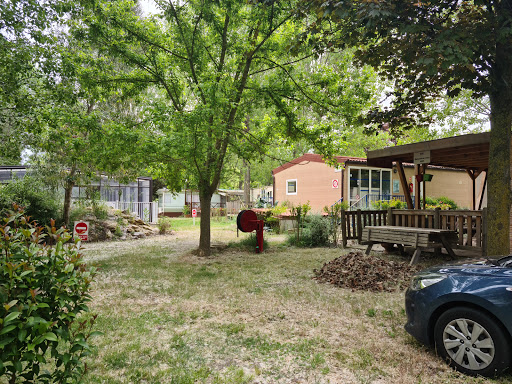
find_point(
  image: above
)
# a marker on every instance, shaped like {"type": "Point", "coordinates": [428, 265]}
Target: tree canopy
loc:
{"type": "Point", "coordinates": [210, 65]}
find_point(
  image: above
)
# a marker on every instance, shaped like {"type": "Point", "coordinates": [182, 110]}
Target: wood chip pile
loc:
{"type": "Point", "coordinates": [357, 271]}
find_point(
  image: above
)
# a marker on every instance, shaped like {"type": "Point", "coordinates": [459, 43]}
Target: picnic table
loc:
{"type": "Point", "coordinates": [419, 238]}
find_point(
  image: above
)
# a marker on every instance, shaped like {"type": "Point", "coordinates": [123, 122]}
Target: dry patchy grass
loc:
{"type": "Point", "coordinates": [239, 317]}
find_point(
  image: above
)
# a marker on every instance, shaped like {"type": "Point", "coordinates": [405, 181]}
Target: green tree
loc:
{"type": "Point", "coordinates": [24, 41]}
{"type": "Point", "coordinates": [209, 65]}
{"type": "Point", "coordinates": [428, 49]}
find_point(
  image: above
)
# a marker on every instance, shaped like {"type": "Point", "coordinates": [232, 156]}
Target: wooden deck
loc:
{"type": "Point", "coordinates": [468, 225]}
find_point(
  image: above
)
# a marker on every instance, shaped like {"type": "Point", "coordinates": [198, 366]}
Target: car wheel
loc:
{"type": "Point", "coordinates": [472, 342]}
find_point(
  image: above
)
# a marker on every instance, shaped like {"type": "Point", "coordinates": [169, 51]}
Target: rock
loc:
{"type": "Point", "coordinates": [108, 234]}
{"type": "Point", "coordinates": [110, 225]}
{"type": "Point", "coordinates": [139, 235]}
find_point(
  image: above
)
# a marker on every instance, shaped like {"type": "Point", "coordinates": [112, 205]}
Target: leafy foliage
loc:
{"type": "Point", "coordinates": [426, 49]}
{"type": "Point", "coordinates": [385, 204]}
{"type": "Point", "coordinates": [40, 202]}
{"type": "Point", "coordinates": [44, 286]}
{"type": "Point", "coordinates": [315, 232]}
{"type": "Point", "coordinates": [164, 225]}
{"type": "Point", "coordinates": [334, 212]}
{"type": "Point", "coordinates": [440, 202]}
{"type": "Point", "coordinates": [223, 86]}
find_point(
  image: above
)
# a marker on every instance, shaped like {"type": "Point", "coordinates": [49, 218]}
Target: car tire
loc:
{"type": "Point", "coordinates": [472, 342]}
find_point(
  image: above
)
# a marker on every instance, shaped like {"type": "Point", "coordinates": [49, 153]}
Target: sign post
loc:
{"type": "Point", "coordinates": [81, 230]}
{"type": "Point", "coordinates": [194, 215]}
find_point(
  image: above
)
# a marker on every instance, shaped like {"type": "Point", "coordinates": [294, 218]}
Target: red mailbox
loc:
{"type": "Point", "coordinates": [247, 221]}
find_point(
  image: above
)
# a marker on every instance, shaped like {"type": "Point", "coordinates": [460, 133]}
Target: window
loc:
{"type": "Point", "coordinates": [291, 187]}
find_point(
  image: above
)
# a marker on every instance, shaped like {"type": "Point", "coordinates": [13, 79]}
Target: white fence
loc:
{"type": "Point", "coordinates": [144, 211]}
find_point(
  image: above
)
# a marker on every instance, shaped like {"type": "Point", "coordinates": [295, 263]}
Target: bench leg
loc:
{"type": "Point", "coordinates": [448, 247]}
{"type": "Point", "coordinates": [415, 257]}
{"type": "Point", "coordinates": [369, 248]}
{"type": "Point", "coordinates": [402, 250]}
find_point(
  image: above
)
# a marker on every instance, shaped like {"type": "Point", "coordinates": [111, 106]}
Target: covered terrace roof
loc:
{"type": "Point", "coordinates": [470, 152]}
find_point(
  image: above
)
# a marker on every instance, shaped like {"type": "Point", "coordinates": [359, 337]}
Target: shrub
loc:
{"type": "Point", "coordinates": [385, 204]}
{"type": "Point", "coordinates": [44, 286]}
{"type": "Point", "coordinates": [40, 203]}
{"type": "Point", "coordinates": [186, 210]}
{"type": "Point", "coordinates": [100, 210]}
{"type": "Point", "coordinates": [299, 213]}
{"type": "Point", "coordinates": [315, 233]}
{"type": "Point", "coordinates": [218, 213]}
{"type": "Point", "coordinates": [440, 202]}
{"type": "Point", "coordinates": [164, 225]}
{"type": "Point", "coordinates": [269, 220]}
{"type": "Point", "coordinates": [78, 212]}
{"type": "Point", "coordinates": [278, 209]}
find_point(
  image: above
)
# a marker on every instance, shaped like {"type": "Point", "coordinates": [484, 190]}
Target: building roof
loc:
{"type": "Point", "coordinates": [312, 157]}
{"type": "Point", "coordinates": [462, 152]}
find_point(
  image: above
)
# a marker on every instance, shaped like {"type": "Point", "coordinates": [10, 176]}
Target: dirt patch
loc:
{"type": "Point", "coordinates": [357, 271]}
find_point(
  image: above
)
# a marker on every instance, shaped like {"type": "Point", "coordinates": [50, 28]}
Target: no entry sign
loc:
{"type": "Point", "coordinates": [81, 230]}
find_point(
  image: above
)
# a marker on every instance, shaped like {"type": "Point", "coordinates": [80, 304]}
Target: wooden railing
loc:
{"type": "Point", "coordinates": [470, 225]}
{"type": "Point", "coordinates": [353, 222]}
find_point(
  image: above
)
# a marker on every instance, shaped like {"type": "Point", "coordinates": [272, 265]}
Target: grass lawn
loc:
{"type": "Point", "coordinates": [168, 316]}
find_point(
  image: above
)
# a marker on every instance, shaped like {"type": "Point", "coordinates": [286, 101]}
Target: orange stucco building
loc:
{"type": "Point", "coordinates": [308, 178]}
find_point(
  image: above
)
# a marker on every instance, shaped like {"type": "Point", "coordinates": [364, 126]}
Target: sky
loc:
{"type": "Point", "coordinates": [148, 6]}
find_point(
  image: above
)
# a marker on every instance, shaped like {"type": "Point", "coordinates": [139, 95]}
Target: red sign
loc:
{"type": "Point", "coordinates": [82, 230]}
{"type": "Point", "coordinates": [194, 212]}
{"type": "Point", "coordinates": [335, 183]}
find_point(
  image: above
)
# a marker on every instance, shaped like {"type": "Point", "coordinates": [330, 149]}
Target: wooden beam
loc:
{"type": "Point", "coordinates": [417, 189]}
{"type": "Point", "coordinates": [482, 191]}
{"type": "Point", "coordinates": [406, 152]}
{"type": "Point", "coordinates": [424, 169]}
{"type": "Point", "coordinates": [472, 176]}
{"type": "Point", "coordinates": [405, 186]}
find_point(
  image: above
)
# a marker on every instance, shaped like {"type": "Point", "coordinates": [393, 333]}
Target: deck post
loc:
{"type": "Point", "coordinates": [389, 220]}
{"type": "Point", "coordinates": [437, 218]}
{"type": "Point", "coordinates": [359, 226]}
{"type": "Point", "coordinates": [417, 185]}
{"type": "Point", "coordinates": [343, 228]}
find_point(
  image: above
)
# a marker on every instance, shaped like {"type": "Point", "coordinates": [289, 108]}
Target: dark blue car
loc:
{"type": "Point", "coordinates": [465, 311]}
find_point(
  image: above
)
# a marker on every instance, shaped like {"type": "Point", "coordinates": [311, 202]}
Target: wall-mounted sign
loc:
{"type": "Point", "coordinates": [422, 157]}
{"type": "Point", "coordinates": [335, 183]}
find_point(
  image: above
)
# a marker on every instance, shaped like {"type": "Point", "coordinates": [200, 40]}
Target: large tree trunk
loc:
{"type": "Point", "coordinates": [205, 199]}
{"type": "Point", "coordinates": [68, 190]}
{"type": "Point", "coordinates": [498, 196]}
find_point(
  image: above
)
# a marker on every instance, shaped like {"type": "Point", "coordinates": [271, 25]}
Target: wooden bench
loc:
{"type": "Point", "coordinates": [419, 238]}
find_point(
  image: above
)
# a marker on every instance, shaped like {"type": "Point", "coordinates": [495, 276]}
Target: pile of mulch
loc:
{"type": "Point", "coordinates": [357, 271]}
